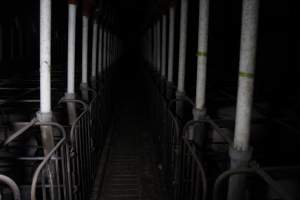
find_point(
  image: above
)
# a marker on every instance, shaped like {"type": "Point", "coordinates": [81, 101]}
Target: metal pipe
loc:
{"type": "Point", "coordinates": [164, 46]}
{"type": "Point", "coordinates": [246, 74]}
{"type": "Point", "coordinates": [159, 46]}
{"type": "Point", "coordinates": [94, 51]}
{"type": "Point", "coordinates": [71, 48]}
{"type": "Point", "coordinates": [198, 133]}
{"type": "Point", "coordinates": [240, 153]}
{"type": "Point", "coordinates": [171, 44]}
{"type": "Point", "coordinates": [104, 49]}
{"type": "Point", "coordinates": [12, 185]}
{"type": "Point", "coordinates": [45, 56]}
{"type": "Point", "coordinates": [182, 45]}
{"type": "Point", "coordinates": [84, 62]}
{"type": "Point", "coordinates": [100, 49]}
{"type": "Point", "coordinates": [158, 64]}
{"type": "Point", "coordinates": [202, 53]}
{"type": "Point", "coordinates": [85, 35]}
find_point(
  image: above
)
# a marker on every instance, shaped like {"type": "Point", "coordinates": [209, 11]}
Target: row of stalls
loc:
{"type": "Point", "coordinates": [55, 117]}
{"type": "Point", "coordinates": [223, 142]}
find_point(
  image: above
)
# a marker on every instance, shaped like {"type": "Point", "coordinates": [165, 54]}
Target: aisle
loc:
{"type": "Point", "coordinates": [132, 170]}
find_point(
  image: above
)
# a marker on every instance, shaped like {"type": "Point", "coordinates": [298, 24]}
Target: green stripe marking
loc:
{"type": "Point", "coordinates": [199, 53]}
{"type": "Point", "coordinates": [246, 75]}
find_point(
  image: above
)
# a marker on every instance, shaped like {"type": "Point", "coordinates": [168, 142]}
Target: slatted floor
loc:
{"type": "Point", "coordinates": [132, 171]}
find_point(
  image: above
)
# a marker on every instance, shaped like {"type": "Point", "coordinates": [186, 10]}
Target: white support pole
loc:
{"type": "Point", "coordinates": [71, 61]}
{"type": "Point", "coordinates": [182, 46]}
{"type": "Point", "coordinates": [100, 49]}
{"type": "Point", "coordinates": [240, 153]}
{"type": "Point", "coordinates": [71, 48]}
{"type": "Point", "coordinates": [202, 54]}
{"type": "Point", "coordinates": [158, 47]}
{"type": "Point", "coordinates": [85, 35]}
{"type": "Point", "coordinates": [45, 114]}
{"type": "Point", "coordinates": [94, 51]}
{"type": "Point", "coordinates": [246, 75]}
{"type": "Point", "coordinates": [171, 44]}
{"type": "Point", "coordinates": [104, 49]}
{"type": "Point", "coordinates": [164, 46]}
{"type": "Point", "coordinates": [108, 49]}
{"type": "Point", "coordinates": [45, 56]}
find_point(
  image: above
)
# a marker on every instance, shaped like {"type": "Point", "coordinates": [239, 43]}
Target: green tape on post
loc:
{"type": "Point", "coordinates": [246, 75]}
{"type": "Point", "coordinates": [200, 53]}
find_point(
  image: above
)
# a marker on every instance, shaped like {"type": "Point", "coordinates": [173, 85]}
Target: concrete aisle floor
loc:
{"type": "Point", "coordinates": [132, 170]}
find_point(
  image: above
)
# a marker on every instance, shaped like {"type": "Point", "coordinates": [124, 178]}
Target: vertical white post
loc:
{"type": "Point", "coordinates": [104, 49]}
{"type": "Point", "coordinates": [71, 49]}
{"type": "Point", "coordinates": [100, 49]}
{"type": "Point", "coordinates": [71, 61]}
{"type": "Point", "coordinates": [94, 50]}
{"type": "Point", "coordinates": [202, 54]}
{"type": "Point", "coordinates": [158, 47]}
{"type": "Point", "coordinates": [182, 45]}
{"type": "Point", "coordinates": [246, 75]}
{"type": "Point", "coordinates": [45, 56]}
{"type": "Point", "coordinates": [85, 35]}
{"type": "Point", "coordinates": [171, 44]}
{"type": "Point", "coordinates": [45, 114]}
{"type": "Point", "coordinates": [108, 49]}
{"type": "Point", "coordinates": [240, 153]}
{"type": "Point", "coordinates": [164, 46]}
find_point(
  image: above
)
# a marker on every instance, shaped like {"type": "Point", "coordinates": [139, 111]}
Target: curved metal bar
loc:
{"type": "Point", "coordinates": [183, 99]}
{"type": "Point", "coordinates": [85, 106]}
{"type": "Point", "coordinates": [213, 124]}
{"type": "Point", "coordinates": [19, 132]}
{"type": "Point", "coordinates": [72, 132]}
{"type": "Point", "coordinates": [90, 89]}
{"type": "Point", "coordinates": [201, 168]}
{"type": "Point", "coordinates": [225, 175]}
{"type": "Point", "coordinates": [12, 185]}
{"type": "Point", "coordinates": [48, 157]}
{"type": "Point", "coordinates": [54, 124]}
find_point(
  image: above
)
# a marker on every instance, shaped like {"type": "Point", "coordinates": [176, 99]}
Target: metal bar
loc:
{"type": "Point", "coordinates": [158, 35]}
{"type": "Point", "coordinates": [171, 44]}
{"type": "Point", "coordinates": [71, 48]}
{"type": "Point", "coordinates": [100, 50]}
{"type": "Point", "coordinates": [182, 45]}
{"type": "Point", "coordinates": [202, 53]}
{"type": "Point", "coordinates": [164, 47]}
{"type": "Point", "coordinates": [45, 55]}
{"type": "Point", "coordinates": [94, 51]}
{"type": "Point", "coordinates": [85, 35]}
{"type": "Point", "coordinates": [246, 76]}
{"type": "Point", "coordinates": [12, 185]}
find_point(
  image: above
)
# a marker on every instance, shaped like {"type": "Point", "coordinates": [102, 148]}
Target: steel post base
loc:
{"type": "Point", "coordinates": [237, 183]}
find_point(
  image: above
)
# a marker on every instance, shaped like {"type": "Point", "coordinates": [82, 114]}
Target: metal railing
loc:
{"type": "Point", "coordinates": [254, 170]}
{"type": "Point", "coordinates": [51, 179]}
{"type": "Point", "coordinates": [12, 185]}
